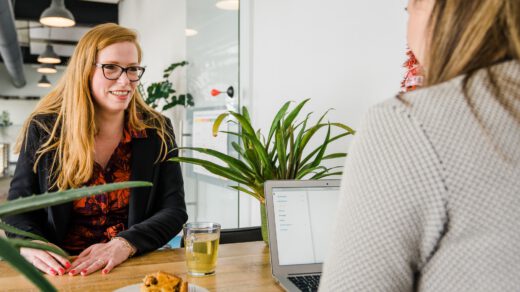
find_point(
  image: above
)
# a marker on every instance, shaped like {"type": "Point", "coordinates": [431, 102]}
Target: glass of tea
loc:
{"type": "Point", "coordinates": [201, 244]}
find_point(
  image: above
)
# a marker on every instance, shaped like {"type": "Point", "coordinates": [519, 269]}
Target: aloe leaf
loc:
{"type": "Point", "coordinates": [218, 121]}
{"type": "Point", "coordinates": [36, 245]}
{"type": "Point", "coordinates": [277, 119]}
{"type": "Point", "coordinates": [35, 202]}
{"type": "Point", "coordinates": [292, 115]}
{"type": "Point", "coordinates": [11, 229]}
{"type": "Point", "coordinates": [11, 255]}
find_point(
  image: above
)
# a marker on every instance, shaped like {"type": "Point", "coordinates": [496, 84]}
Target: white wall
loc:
{"type": "Point", "coordinates": [343, 54]}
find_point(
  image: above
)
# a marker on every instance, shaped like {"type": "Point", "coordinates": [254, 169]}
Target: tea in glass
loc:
{"type": "Point", "coordinates": [201, 244]}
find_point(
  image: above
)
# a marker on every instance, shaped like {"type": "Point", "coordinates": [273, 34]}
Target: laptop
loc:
{"type": "Point", "coordinates": [300, 216]}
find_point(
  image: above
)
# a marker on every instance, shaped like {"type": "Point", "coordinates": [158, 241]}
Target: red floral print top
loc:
{"type": "Point", "coordinates": [98, 218]}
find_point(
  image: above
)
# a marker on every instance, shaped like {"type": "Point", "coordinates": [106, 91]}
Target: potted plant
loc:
{"type": "Point", "coordinates": [164, 92]}
{"type": "Point", "coordinates": [281, 155]}
{"type": "Point", "coordinates": [5, 121]}
{"type": "Point", "coordinates": [9, 246]}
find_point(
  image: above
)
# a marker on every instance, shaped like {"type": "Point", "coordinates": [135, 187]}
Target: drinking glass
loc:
{"type": "Point", "coordinates": [201, 245]}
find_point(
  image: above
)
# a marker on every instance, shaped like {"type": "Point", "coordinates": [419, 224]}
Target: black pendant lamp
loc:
{"type": "Point", "coordinates": [49, 56]}
{"type": "Point", "coordinates": [57, 15]}
{"type": "Point", "coordinates": [44, 82]}
{"type": "Point", "coordinates": [47, 69]}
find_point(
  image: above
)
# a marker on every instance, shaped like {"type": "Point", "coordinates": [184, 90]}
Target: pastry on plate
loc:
{"type": "Point", "coordinates": [164, 282]}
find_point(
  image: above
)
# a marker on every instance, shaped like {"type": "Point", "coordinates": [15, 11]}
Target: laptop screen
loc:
{"type": "Point", "coordinates": [304, 221]}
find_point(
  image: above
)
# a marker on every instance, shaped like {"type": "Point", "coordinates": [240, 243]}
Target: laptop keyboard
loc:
{"type": "Point", "coordinates": [306, 282]}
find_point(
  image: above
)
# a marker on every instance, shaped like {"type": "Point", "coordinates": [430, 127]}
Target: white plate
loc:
{"type": "Point", "coordinates": [137, 288]}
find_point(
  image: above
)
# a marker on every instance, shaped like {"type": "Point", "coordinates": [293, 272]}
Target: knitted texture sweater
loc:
{"type": "Point", "coordinates": [431, 193]}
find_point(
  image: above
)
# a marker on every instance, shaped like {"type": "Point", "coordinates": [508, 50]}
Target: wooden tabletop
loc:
{"type": "Point", "coordinates": [240, 267]}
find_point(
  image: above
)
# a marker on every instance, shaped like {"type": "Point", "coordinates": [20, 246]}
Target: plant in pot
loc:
{"type": "Point", "coordinates": [281, 155]}
{"type": "Point", "coordinates": [5, 121]}
{"type": "Point", "coordinates": [9, 247]}
{"type": "Point", "coordinates": [163, 91]}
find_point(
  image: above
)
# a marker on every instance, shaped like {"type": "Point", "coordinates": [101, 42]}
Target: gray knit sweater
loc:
{"type": "Point", "coordinates": [430, 197]}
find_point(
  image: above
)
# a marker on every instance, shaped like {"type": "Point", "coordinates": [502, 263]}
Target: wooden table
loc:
{"type": "Point", "coordinates": [240, 267]}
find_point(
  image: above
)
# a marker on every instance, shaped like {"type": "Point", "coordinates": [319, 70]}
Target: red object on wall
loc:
{"type": "Point", "coordinates": [215, 92]}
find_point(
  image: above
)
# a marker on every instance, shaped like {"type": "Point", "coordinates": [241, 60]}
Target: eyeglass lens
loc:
{"type": "Point", "coordinates": [112, 71]}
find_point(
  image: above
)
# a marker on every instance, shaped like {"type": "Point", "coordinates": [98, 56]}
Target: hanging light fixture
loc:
{"type": "Point", "coordinates": [47, 69]}
{"type": "Point", "coordinates": [228, 4]}
{"type": "Point", "coordinates": [44, 82]}
{"type": "Point", "coordinates": [57, 15]}
{"type": "Point", "coordinates": [49, 56]}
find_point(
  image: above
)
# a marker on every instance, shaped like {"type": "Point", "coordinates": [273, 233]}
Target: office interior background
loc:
{"type": "Point", "coordinates": [345, 55]}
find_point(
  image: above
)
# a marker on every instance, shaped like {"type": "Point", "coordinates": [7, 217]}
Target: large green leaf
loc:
{"type": "Point", "coordinates": [35, 202]}
{"type": "Point", "coordinates": [276, 121]}
{"type": "Point", "coordinates": [31, 244]}
{"type": "Point", "coordinates": [280, 148]}
{"type": "Point", "coordinates": [218, 121]}
{"type": "Point", "coordinates": [11, 229]}
{"type": "Point", "coordinates": [11, 255]}
{"type": "Point", "coordinates": [292, 115]}
{"type": "Point", "coordinates": [231, 161]}
{"type": "Point", "coordinates": [228, 173]}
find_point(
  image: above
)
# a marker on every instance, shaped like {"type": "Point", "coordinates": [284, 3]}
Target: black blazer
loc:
{"type": "Point", "coordinates": [156, 214]}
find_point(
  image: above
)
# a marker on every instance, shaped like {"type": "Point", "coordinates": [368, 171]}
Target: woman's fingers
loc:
{"type": "Point", "coordinates": [56, 267]}
{"type": "Point", "coordinates": [63, 261]}
{"type": "Point", "coordinates": [42, 266]}
{"type": "Point", "coordinates": [92, 267]}
{"type": "Point", "coordinates": [110, 265]}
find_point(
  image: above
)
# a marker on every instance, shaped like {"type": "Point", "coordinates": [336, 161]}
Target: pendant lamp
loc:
{"type": "Point", "coordinates": [57, 15]}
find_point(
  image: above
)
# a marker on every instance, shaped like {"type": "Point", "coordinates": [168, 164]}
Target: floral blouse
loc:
{"type": "Point", "coordinates": [98, 218]}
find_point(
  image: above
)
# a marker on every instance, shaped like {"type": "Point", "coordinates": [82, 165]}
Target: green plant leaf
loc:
{"type": "Point", "coordinates": [335, 155]}
{"type": "Point", "coordinates": [253, 194]}
{"type": "Point", "coordinates": [292, 115]}
{"type": "Point", "coordinates": [280, 148]}
{"type": "Point", "coordinates": [276, 121]}
{"type": "Point", "coordinates": [13, 257]}
{"type": "Point", "coordinates": [36, 245]}
{"type": "Point", "coordinates": [231, 161]}
{"type": "Point", "coordinates": [35, 202]}
{"type": "Point", "coordinates": [11, 229]}
{"type": "Point", "coordinates": [214, 168]}
{"type": "Point", "coordinates": [218, 121]}
{"type": "Point", "coordinates": [327, 174]}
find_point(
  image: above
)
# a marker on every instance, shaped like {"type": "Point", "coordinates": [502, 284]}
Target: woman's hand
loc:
{"type": "Point", "coordinates": [46, 261]}
{"type": "Point", "coordinates": [104, 256]}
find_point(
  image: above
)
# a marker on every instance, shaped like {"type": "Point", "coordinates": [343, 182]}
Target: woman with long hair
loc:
{"type": "Point", "coordinates": [431, 189]}
{"type": "Point", "coordinates": [94, 128]}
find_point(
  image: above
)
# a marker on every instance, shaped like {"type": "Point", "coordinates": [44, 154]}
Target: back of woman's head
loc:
{"type": "Point", "coordinates": [467, 35]}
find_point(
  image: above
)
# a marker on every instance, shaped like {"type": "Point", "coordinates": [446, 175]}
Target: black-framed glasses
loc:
{"type": "Point", "coordinates": [113, 71]}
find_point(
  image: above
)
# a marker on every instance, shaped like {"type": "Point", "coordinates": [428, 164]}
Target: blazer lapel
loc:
{"type": "Point", "coordinates": [142, 160]}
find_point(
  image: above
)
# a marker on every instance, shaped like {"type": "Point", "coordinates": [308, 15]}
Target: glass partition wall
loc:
{"type": "Point", "coordinates": [212, 50]}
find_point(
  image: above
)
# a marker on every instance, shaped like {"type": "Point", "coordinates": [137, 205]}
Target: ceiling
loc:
{"type": "Point", "coordinates": [33, 37]}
